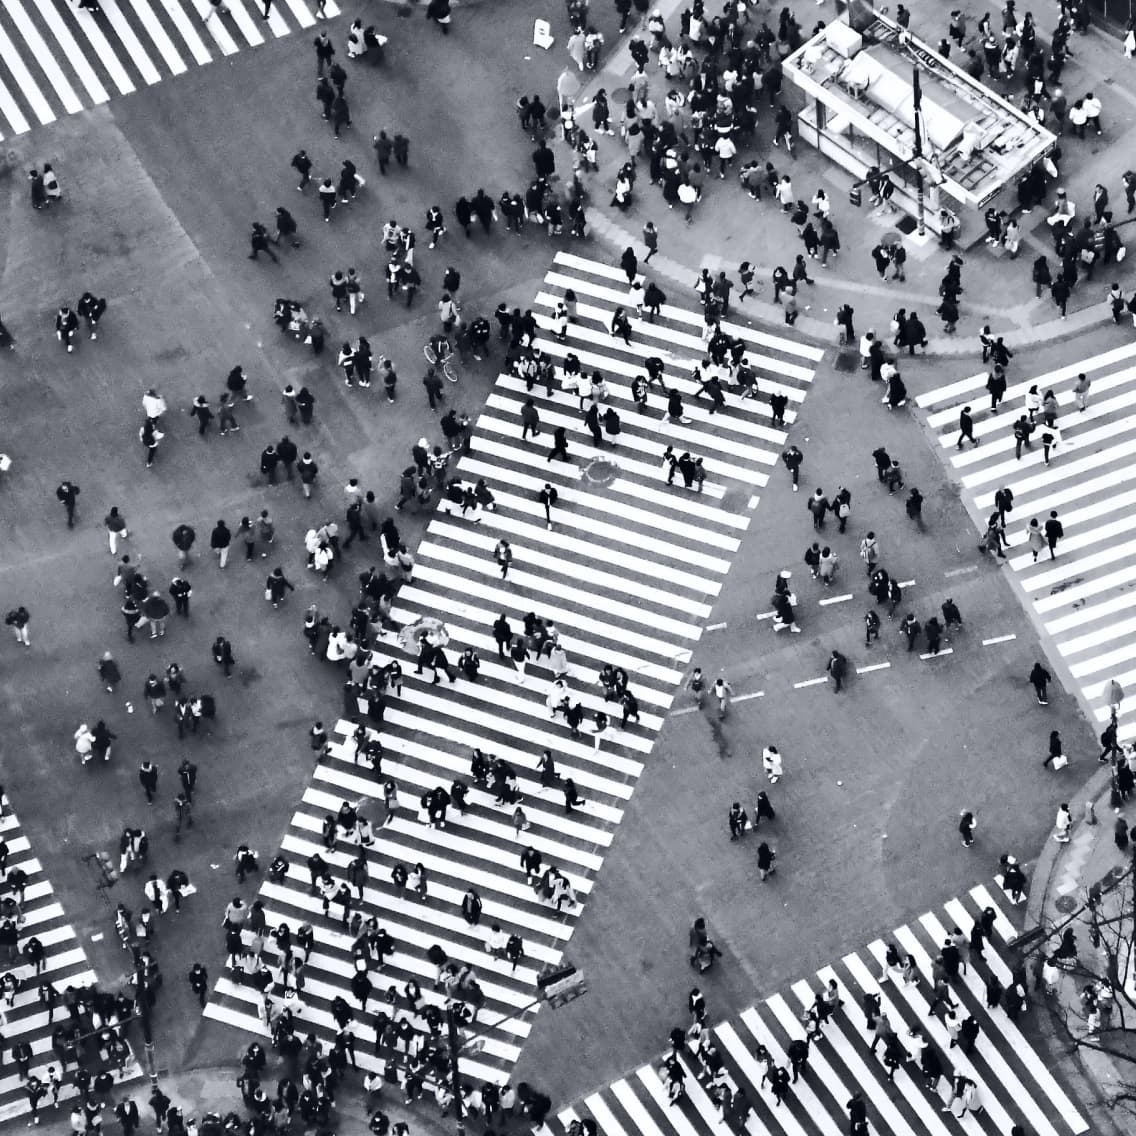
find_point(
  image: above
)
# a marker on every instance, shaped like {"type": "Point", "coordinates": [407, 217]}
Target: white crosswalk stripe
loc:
{"type": "Point", "coordinates": [1014, 1083]}
{"type": "Point", "coordinates": [629, 574]}
{"type": "Point", "coordinates": [27, 1018]}
{"type": "Point", "coordinates": [1084, 597]}
{"type": "Point", "coordinates": [57, 60]}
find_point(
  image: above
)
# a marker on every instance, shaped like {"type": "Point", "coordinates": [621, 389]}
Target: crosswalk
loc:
{"type": "Point", "coordinates": [1014, 1082]}
{"type": "Point", "coordinates": [629, 573]}
{"type": "Point", "coordinates": [27, 1017]}
{"type": "Point", "coordinates": [1084, 598]}
{"type": "Point", "coordinates": [56, 59]}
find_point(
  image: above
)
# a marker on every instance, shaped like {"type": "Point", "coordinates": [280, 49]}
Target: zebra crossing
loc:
{"type": "Point", "coordinates": [25, 1017]}
{"type": "Point", "coordinates": [1084, 598]}
{"type": "Point", "coordinates": [1014, 1082]}
{"type": "Point", "coordinates": [56, 59]}
{"type": "Point", "coordinates": [629, 574]}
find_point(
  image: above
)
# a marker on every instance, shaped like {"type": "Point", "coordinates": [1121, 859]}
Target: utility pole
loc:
{"type": "Point", "coordinates": [556, 986]}
{"type": "Point", "coordinates": [142, 1000]}
{"type": "Point", "coordinates": [918, 163]}
{"type": "Point", "coordinates": [455, 1068]}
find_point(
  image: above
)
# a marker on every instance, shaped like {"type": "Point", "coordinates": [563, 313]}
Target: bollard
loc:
{"type": "Point", "coordinates": [1090, 813]}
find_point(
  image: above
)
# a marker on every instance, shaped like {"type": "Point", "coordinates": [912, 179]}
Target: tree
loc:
{"type": "Point", "coordinates": [1096, 982]}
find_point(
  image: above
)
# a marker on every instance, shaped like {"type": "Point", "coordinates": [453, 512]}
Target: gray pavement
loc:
{"type": "Point", "coordinates": [997, 289]}
{"type": "Point", "coordinates": [168, 250]}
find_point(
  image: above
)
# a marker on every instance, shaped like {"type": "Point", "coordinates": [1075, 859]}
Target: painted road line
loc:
{"type": "Point", "coordinates": [998, 639]}
{"type": "Point", "coordinates": [835, 600]}
{"type": "Point", "coordinates": [610, 537]}
{"type": "Point", "coordinates": [873, 667]}
{"type": "Point", "coordinates": [810, 682]}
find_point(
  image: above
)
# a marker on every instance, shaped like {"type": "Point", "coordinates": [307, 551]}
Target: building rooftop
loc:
{"type": "Point", "coordinates": [976, 140]}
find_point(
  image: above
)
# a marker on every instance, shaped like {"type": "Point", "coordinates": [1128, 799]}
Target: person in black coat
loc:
{"type": "Point", "coordinates": [915, 334]}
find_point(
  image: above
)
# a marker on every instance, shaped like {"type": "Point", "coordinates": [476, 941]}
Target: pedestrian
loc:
{"type": "Point", "coordinates": [116, 529]}
{"type": "Point", "coordinates": [966, 827]}
{"type": "Point", "coordinates": [765, 862]}
{"type": "Point", "coordinates": [1054, 531]}
{"type": "Point", "coordinates": [1056, 752]}
{"type": "Point", "coordinates": [870, 551]}
{"type": "Point", "coordinates": [771, 763]}
{"type": "Point", "coordinates": [503, 554]}
{"type": "Point", "coordinates": [277, 587]}
{"type": "Point", "coordinates": [911, 628]}
{"type": "Point", "coordinates": [91, 308]}
{"type": "Point", "coordinates": [1040, 679]}
{"type": "Point", "coordinates": [259, 241]}
{"type": "Point", "coordinates": [838, 669]}
{"type": "Point", "coordinates": [1081, 390]}
{"type": "Point", "coordinates": [952, 617]}
{"type": "Point", "coordinates": [18, 619]}
{"type": "Point", "coordinates": [651, 240]}
{"type": "Point", "coordinates": [156, 611]}
{"type": "Point", "coordinates": [1023, 428]}
{"type": "Point", "coordinates": [629, 262]}
{"type": "Point", "coordinates": [1063, 824]}
{"type": "Point", "coordinates": [223, 655]}
{"type": "Point", "coordinates": [966, 428]}
{"type": "Point", "coordinates": [818, 504]}
{"type": "Point", "coordinates": [66, 324]}
{"type": "Point", "coordinates": [871, 627]}
{"type": "Point", "coordinates": [914, 507]}
{"type": "Point", "coordinates": [792, 459]}
{"type": "Point", "coordinates": [548, 497]}
{"type": "Point", "coordinates": [148, 777]}
{"type": "Point", "coordinates": [933, 629]}
{"type": "Point", "coordinates": [559, 444]}
{"type": "Point", "coordinates": [149, 435]}
{"type": "Point", "coordinates": [199, 982]}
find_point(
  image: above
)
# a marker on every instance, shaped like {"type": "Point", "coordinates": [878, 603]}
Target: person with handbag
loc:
{"type": "Point", "coordinates": [1056, 752]}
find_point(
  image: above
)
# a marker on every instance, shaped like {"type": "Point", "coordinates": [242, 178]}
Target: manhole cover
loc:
{"type": "Point", "coordinates": [846, 361]}
{"type": "Point", "coordinates": [906, 224]}
{"type": "Point", "coordinates": [1066, 904]}
{"type": "Point", "coordinates": [599, 472]}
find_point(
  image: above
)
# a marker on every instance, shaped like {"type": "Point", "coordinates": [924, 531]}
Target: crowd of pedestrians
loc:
{"type": "Point", "coordinates": [718, 70]}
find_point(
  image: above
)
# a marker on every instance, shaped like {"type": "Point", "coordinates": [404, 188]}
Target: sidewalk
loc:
{"type": "Point", "coordinates": [1059, 886]}
{"type": "Point", "coordinates": [213, 1089]}
{"type": "Point", "coordinates": [759, 232]}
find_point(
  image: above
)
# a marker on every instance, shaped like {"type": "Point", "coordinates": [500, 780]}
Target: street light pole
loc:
{"type": "Point", "coordinates": [455, 1068]}
{"type": "Point", "coordinates": [918, 148]}
{"type": "Point", "coordinates": [142, 1000]}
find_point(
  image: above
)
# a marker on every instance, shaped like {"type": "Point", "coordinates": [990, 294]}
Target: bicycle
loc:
{"type": "Point", "coordinates": [440, 354]}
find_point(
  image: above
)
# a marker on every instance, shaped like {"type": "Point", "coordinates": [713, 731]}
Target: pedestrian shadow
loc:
{"type": "Point", "coordinates": [718, 733]}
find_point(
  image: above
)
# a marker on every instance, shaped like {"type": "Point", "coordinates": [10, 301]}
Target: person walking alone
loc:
{"type": "Point", "coordinates": [966, 827]}
{"type": "Point", "coordinates": [966, 428]}
{"type": "Point", "coordinates": [1040, 679]}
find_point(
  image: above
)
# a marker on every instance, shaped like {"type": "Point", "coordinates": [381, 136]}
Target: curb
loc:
{"type": "Point", "coordinates": [608, 231]}
{"type": "Point", "coordinates": [1078, 1065]}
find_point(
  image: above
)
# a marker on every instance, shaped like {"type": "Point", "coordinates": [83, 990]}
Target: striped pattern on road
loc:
{"type": "Point", "coordinates": [1015, 1083]}
{"type": "Point", "coordinates": [65, 964]}
{"type": "Point", "coordinates": [1084, 597]}
{"type": "Point", "coordinates": [629, 573]}
{"type": "Point", "coordinates": [57, 59]}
